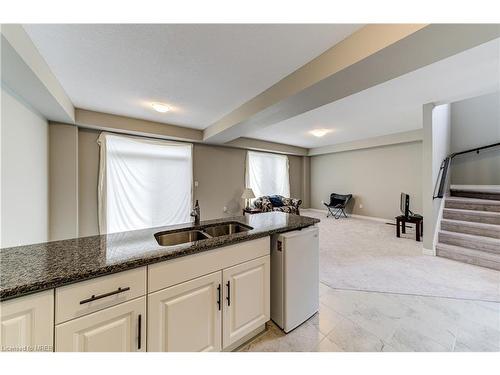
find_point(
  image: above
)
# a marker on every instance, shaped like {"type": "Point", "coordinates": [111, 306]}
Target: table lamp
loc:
{"type": "Point", "coordinates": [247, 195]}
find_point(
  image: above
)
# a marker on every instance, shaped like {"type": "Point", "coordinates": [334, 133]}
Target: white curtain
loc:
{"type": "Point", "coordinates": [143, 183]}
{"type": "Point", "coordinates": [267, 174]}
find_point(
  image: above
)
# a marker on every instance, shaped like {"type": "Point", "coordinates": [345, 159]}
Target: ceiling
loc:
{"type": "Point", "coordinates": [394, 106]}
{"type": "Point", "coordinates": [201, 71]}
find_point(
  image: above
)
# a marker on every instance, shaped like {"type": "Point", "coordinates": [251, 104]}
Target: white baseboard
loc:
{"type": "Point", "coordinates": [428, 251]}
{"type": "Point", "coordinates": [312, 209]}
{"type": "Point", "coordinates": [379, 219]}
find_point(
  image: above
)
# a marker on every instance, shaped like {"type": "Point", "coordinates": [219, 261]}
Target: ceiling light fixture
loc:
{"type": "Point", "coordinates": [320, 132]}
{"type": "Point", "coordinates": [160, 107]}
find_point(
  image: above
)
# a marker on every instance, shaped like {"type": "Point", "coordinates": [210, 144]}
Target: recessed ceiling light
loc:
{"type": "Point", "coordinates": [320, 132]}
{"type": "Point", "coordinates": [160, 107]}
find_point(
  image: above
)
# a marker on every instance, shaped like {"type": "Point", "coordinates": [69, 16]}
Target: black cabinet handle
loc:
{"type": "Point", "coordinates": [218, 298]}
{"type": "Point", "coordinates": [94, 297]}
{"type": "Point", "coordinates": [228, 293]}
{"type": "Point", "coordinates": [139, 323]}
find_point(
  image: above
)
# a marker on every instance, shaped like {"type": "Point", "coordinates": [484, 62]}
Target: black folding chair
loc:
{"type": "Point", "coordinates": [337, 205]}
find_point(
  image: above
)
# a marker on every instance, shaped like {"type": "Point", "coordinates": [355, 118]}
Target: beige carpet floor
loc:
{"type": "Point", "coordinates": [360, 254]}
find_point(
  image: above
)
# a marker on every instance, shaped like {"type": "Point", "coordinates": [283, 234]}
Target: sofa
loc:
{"type": "Point", "coordinates": [278, 203]}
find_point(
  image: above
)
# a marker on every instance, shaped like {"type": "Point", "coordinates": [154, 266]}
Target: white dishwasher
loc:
{"type": "Point", "coordinates": [294, 277]}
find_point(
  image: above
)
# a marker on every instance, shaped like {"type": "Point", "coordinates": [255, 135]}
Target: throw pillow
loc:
{"type": "Point", "coordinates": [276, 201]}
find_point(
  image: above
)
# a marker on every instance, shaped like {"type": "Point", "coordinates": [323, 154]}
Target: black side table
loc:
{"type": "Point", "coordinates": [251, 211]}
{"type": "Point", "coordinates": [415, 219]}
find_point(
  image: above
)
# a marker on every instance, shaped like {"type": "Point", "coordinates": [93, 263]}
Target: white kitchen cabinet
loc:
{"type": "Point", "coordinates": [186, 317]}
{"type": "Point", "coordinates": [28, 322]}
{"type": "Point", "coordinates": [120, 328]}
{"type": "Point", "coordinates": [210, 301]}
{"type": "Point", "coordinates": [246, 299]}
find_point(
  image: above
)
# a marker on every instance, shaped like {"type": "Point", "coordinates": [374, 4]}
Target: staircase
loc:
{"type": "Point", "coordinates": [470, 228]}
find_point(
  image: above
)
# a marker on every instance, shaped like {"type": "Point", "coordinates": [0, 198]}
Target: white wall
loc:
{"type": "Point", "coordinates": [475, 122]}
{"type": "Point", "coordinates": [375, 176]}
{"type": "Point", "coordinates": [436, 147]}
{"type": "Point", "coordinates": [24, 173]}
{"type": "Point", "coordinates": [441, 137]}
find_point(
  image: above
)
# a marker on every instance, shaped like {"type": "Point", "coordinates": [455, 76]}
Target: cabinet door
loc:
{"type": "Point", "coordinates": [186, 317]}
{"type": "Point", "coordinates": [28, 323]}
{"type": "Point", "coordinates": [246, 299]}
{"type": "Point", "coordinates": [116, 329]}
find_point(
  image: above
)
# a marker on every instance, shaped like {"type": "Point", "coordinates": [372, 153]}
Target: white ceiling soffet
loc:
{"type": "Point", "coordinates": [201, 71]}
{"type": "Point", "coordinates": [394, 106]}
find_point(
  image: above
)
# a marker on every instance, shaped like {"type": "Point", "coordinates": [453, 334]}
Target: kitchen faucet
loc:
{"type": "Point", "coordinates": [196, 213]}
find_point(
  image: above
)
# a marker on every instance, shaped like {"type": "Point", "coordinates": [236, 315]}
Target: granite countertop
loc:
{"type": "Point", "coordinates": [32, 268]}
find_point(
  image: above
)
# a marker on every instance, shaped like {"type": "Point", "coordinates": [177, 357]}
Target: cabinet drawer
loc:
{"type": "Point", "coordinates": [175, 271]}
{"type": "Point", "coordinates": [96, 294]}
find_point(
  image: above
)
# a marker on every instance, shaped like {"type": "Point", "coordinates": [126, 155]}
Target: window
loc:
{"type": "Point", "coordinates": [267, 174]}
{"type": "Point", "coordinates": [143, 183]}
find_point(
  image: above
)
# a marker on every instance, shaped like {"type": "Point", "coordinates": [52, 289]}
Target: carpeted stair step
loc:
{"type": "Point", "coordinates": [471, 215]}
{"type": "Point", "coordinates": [471, 256]}
{"type": "Point", "coordinates": [469, 227]}
{"type": "Point", "coordinates": [489, 194]}
{"type": "Point", "coordinates": [470, 241]}
{"type": "Point", "coordinates": [472, 204]}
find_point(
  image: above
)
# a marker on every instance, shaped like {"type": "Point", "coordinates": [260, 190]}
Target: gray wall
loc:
{"type": "Point", "coordinates": [63, 181]}
{"type": "Point", "coordinates": [219, 171]}
{"type": "Point", "coordinates": [24, 173]}
{"type": "Point", "coordinates": [88, 174]}
{"type": "Point", "coordinates": [375, 177]}
{"type": "Point", "coordinates": [475, 122]}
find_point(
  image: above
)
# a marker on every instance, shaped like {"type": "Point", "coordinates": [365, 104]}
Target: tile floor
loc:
{"type": "Point", "coordinates": [360, 321]}
{"type": "Point", "coordinates": [378, 293]}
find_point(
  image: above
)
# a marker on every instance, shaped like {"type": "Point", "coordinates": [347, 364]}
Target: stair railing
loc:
{"type": "Point", "coordinates": [446, 165]}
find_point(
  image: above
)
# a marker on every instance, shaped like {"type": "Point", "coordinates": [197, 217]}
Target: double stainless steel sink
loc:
{"type": "Point", "coordinates": [180, 236]}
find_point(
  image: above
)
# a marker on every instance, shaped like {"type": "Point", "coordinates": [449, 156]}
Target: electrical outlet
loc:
{"type": "Point", "coordinates": [196, 184]}
{"type": "Point", "coordinates": [360, 206]}
{"type": "Point", "coordinates": [224, 209]}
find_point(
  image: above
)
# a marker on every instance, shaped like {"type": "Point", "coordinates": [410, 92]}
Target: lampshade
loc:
{"type": "Point", "coordinates": [248, 194]}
